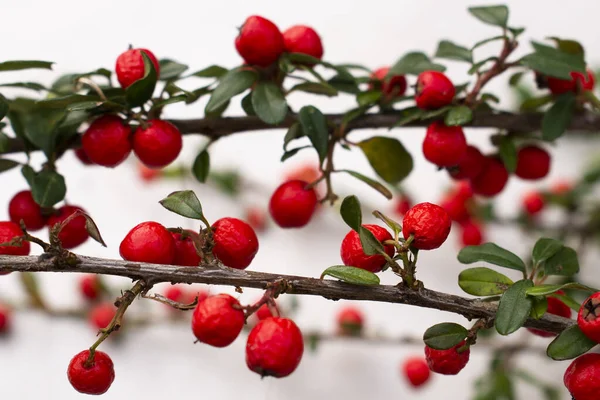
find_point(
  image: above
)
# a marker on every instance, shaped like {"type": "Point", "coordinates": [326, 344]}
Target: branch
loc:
{"type": "Point", "coordinates": [220, 275]}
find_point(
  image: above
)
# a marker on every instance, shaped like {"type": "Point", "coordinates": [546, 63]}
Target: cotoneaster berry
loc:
{"type": "Point", "coordinates": [130, 66]}
{"type": "Point", "coordinates": [90, 287]}
{"type": "Point", "coordinates": [444, 145]}
{"type": "Point", "coordinates": [469, 166]}
{"type": "Point", "coordinates": [532, 163]}
{"type": "Point", "coordinates": [274, 347]}
{"type": "Point", "coordinates": [353, 255]}
{"type": "Point", "coordinates": [185, 251]}
{"type": "Point", "coordinates": [5, 319]}
{"type": "Point", "coordinates": [447, 362]}
{"type": "Point", "coordinates": [235, 242]}
{"type": "Point", "coordinates": [101, 315]}
{"type": "Point", "coordinates": [555, 307]}
{"type": "Point", "coordinates": [394, 86]}
{"type": "Point", "coordinates": [588, 318]}
{"type": "Point", "coordinates": [259, 42]}
{"type": "Point", "coordinates": [533, 202]}
{"type": "Point", "coordinates": [149, 242]}
{"type": "Point", "coordinates": [429, 224]}
{"type": "Point", "coordinates": [456, 206]}
{"type": "Point", "coordinates": [73, 233]}
{"type": "Point", "coordinates": [292, 205]}
{"type": "Point", "coordinates": [471, 233]}
{"type": "Point", "coordinates": [434, 90]}
{"type": "Point", "coordinates": [148, 174]}
{"type": "Point", "coordinates": [94, 378]}
{"type": "Point", "coordinates": [492, 180]}
{"type": "Point", "coordinates": [8, 231]}
{"type": "Point", "coordinates": [82, 156]}
{"type": "Point", "coordinates": [257, 218]}
{"type": "Point", "coordinates": [303, 39]}
{"type": "Point", "coordinates": [561, 187]}
{"type": "Point", "coordinates": [308, 172]}
{"type": "Point", "coordinates": [264, 312]}
{"type": "Point", "coordinates": [577, 82]}
{"type": "Point", "coordinates": [181, 294]}
{"type": "Point", "coordinates": [107, 141]}
{"type": "Point", "coordinates": [416, 371]}
{"type": "Point", "coordinates": [350, 321]}
{"type": "Point", "coordinates": [157, 144]}
{"type": "Point", "coordinates": [402, 205]}
{"type": "Point", "coordinates": [582, 378]}
{"type": "Point", "coordinates": [218, 320]}
{"type": "Point", "coordinates": [23, 207]}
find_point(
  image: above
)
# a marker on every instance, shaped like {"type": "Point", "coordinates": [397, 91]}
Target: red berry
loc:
{"type": "Point", "coordinates": [394, 86]}
{"type": "Point", "coordinates": [353, 255]}
{"type": "Point", "coordinates": [264, 312]}
{"type": "Point", "coordinates": [274, 347]}
{"type": "Point", "coordinates": [23, 207]}
{"type": "Point", "coordinates": [533, 202]}
{"type": "Point", "coordinates": [218, 320]}
{"type": "Point", "coordinates": [456, 207]}
{"type": "Point", "coordinates": [402, 205]}
{"type": "Point", "coordinates": [444, 145]}
{"type": "Point", "coordinates": [416, 371]}
{"type": "Point", "coordinates": [5, 319]}
{"type": "Point", "coordinates": [582, 378]}
{"type": "Point", "coordinates": [532, 163]}
{"type": "Point", "coordinates": [157, 145]}
{"type": "Point", "coordinates": [429, 224]}
{"type": "Point", "coordinates": [201, 294]}
{"type": "Point", "coordinates": [303, 39]}
{"type": "Point", "coordinates": [74, 233]}
{"type": "Point", "coordinates": [561, 187]}
{"type": "Point", "coordinates": [469, 166]}
{"type": "Point", "coordinates": [106, 142]}
{"type": "Point", "coordinates": [175, 293]}
{"type": "Point", "coordinates": [89, 287]}
{"type": "Point", "coordinates": [185, 251]}
{"type": "Point", "coordinates": [130, 66]}
{"type": "Point", "coordinates": [102, 314]}
{"type": "Point", "coordinates": [555, 307]}
{"type": "Point", "coordinates": [8, 231]}
{"type": "Point", "coordinates": [148, 174]}
{"type": "Point", "coordinates": [256, 218]}
{"type": "Point", "coordinates": [308, 172]}
{"type": "Point", "coordinates": [588, 317]}
{"type": "Point", "coordinates": [434, 90]}
{"type": "Point", "coordinates": [95, 378]}
{"type": "Point", "coordinates": [292, 205]}
{"type": "Point", "coordinates": [447, 362]}
{"type": "Point", "coordinates": [492, 179]}
{"type": "Point", "coordinates": [149, 242]}
{"type": "Point", "coordinates": [259, 42]}
{"type": "Point", "coordinates": [236, 243]}
{"type": "Point", "coordinates": [471, 233]}
{"type": "Point", "coordinates": [82, 156]}
{"type": "Point", "coordinates": [350, 321]}
{"type": "Point", "coordinates": [577, 81]}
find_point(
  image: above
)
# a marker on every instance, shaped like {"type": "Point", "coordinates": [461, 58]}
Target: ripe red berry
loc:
{"type": "Point", "coordinates": [185, 251]}
{"type": "Point", "coordinates": [471, 233]}
{"type": "Point", "coordinates": [263, 312]}
{"type": "Point", "coordinates": [101, 315]}
{"type": "Point", "coordinates": [463, 190]}
{"type": "Point", "coordinates": [235, 242]}
{"type": "Point", "coordinates": [561, 187]}
{"type": "Point", "coordinates": [175, 293]}
{"type": "Point", "coordinates": [492, 179]}
{"type": "Point", "coordinates": [350, 321]}
{"type": "Point", "coordinates": [402, 205]}
{"type": "Point", "coordinates": [292, 205]}
{"type": "Point", "coordinates": [180, 294]}
{"type": "Point", "coordinates": [158, 144]}
{"type": "Point", "coordinates": [148, 242]}
{"type": "Point", "coordinates": [353, 255]}
{"type": "Point", "coordinates": [532, 163]}
{"type": "Point", "coordinates": [577, 82]}
{"type": "Point", "coordinates": [307, 172]}
{"type": "Point", "coordinates": [259, 42]}
{"type": "Point", "coordinates": [429, 224]}
{"type": "Point", "coordinates": [274, 347]}
{"type": "Point", "coordinates": [23, 207]}
{"type": "Point", "coordinates": [106, 141]}
{"type": "Point", "coordinates": [455, 206]}
{"type": "Point", "coordinates": [5, 319]}
{"type": "Point", "coordinates": [444, 145]}
{"type": "Point", "coordinates": [218, 320]}
{"type": "Point", "coordinates": [582, 378]}
{"type": "Point", "coordinates": [82, 156]}
{"type": "Point", "coordinates": [256, 218]}
{"type": "Point", "coordinates": [434, 90]}
{"type": "Point", "coordinates": [8, 231]}
{"type": "Point", "coordinates": [588, 318]}
{"type": "Point", "coordinates": [469, 166]}
{"type": "Point", "coordinates": [94, 378]}
{"type": "Point", "coordinates": [130, 66]}
{"type": "Point", "coordinates": [395, 86]}
{"type": "Point", "coordinates": [89, 287]}
{"type": "Point", "coordinates": [555, 307]}
{"type": "Point", "coordinates": [447, 362]}
{"type": "Point", "coordinates": [533, 202]}
{"type": "Point", "coordinates": [416, 371]}
{"type": "Point", "coordinates": [303, 39]}
{"type": "Point", "coordinates": [148, 174]}
{"type": "Point", "coordinates": [74, 233]}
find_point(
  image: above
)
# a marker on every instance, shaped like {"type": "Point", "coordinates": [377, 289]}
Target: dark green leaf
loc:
{"type": "Point", "coordinates": [64, 101]}
{"type": "Point", "coordinates": [141, 90]}
{"type": "Point", "coordinates": [41, 127]}
{"type": "Point", "coordinates": [409, 115]}
{"type": "Point", "coordinates": [388, 157]}
{"type": "Point", "coordinates": [568, 300]}
{"type": "Point", "coordinates": [571, 343]}
{"type": "Point", "coordinates": [458, 115]}
{"type": "Point", "coordinates": [170, 69]}
{"type": "Point", "coordinates": [539, 307]}
{"type": "Point", "coordinates": [508, 153]}
{"type": "Point", "coordinates": [350, 212]}
{"type": "Point", "coordinates": [568, 45]}
{"type": "Point", "coordinates": [4, 107]}
{"type": "Point", "coordinates": [564, 262]}
{"type": "Point", "coordinates": [545, 290]}
{"type": "Point", "coordinates": [444, 336]}
{"type": "Point", "coordinates": [452, 51]}
{"type": "Point", "coordinates": [370, 244]}
{"type": "Point", "coordinates": [533, 103]}
{"type": "Point", "coordinates": [290, 153]}
{"type": "Point", "coordinates": [214, 71]}
{"type": "Point", "coordinates": [493, 15]}
{"type": "Point", "coordinates": [368, 97]}
{"type": "Point", "coordinates": [493, 254]}
{"type": "Point", "coordinates": [201, 166]}
{"type": "Point", "coordinates": [218, 112]}
{"type": "Point", "coordinates": [356, 276]}
{"type": "Point", "coordinates": [184, 203]}
{"type": "Point", "coordinates": [515, 78]}
{"type": "Point", "coordinates": [544, 249]}
{"type": "Point", "coordinates": [269, 103]}
{"type": "Point", "coordinates": [315, 88]}
{"type": "Point", "coordinates": [4, 143]}
{"type": "Point", "coordinates": [514, 308]}
{"type": "Point", "coordinates": [477, 66]}
{"type": "Point", "coordinates": [29, 64]}
{"type": "Point", "coordinates": [558, 117]}
{"type": "Point", "coordinates": [413, 64]}
{"type": "Point", "coordinates": [247, 105]}
{"type": "Point", "coordinates": [6, 164]}
{"type": "Point", "coordinates": [301, 58]}
{"type": "Point", "coordinates": [371, 182]}
{"type": "Point", "coordinates": [48, 188]}
{"type": "Point", "coordinates": [293, 133]}
{"type": "Point", "coordinates": [434, 114]}
{"type": "Point", "coordinates": [486, 41]}
{"type": "Point", "coordinates": [343, 83]}
{"type": "Point", "coordinates": [553, 62]}
{"type": "Point", "coordinates": [483, 281]}
{"type": "Point", "coordinates": [353, 114]}
{"type": "Point", "coordinates": [171, 100]}
{"type": "Point", "coordinates": [231, 84]}
{"type": "Point", "coordinates": [314, 125]}
{"type": "Point", "coordinates": [29, 174]}
{"type": "Point", "coordinates": [25, 85]}
{"type": "Point", "coordinates": [396, 227]}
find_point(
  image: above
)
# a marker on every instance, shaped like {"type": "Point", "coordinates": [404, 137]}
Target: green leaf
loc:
{"type": "Point", "coordinates": [170, 69]}
{"type": "Point", "coordinates": [352, 275]}
{"type": "Point", "coordinates": [294, 132]}
{"type": "Point", "coordinates": [29, 64]}
{"type": "Point", "coordinates": [171, 100]}
{"type": "Point", "coordinates": [141, 90]}
{"type": "Point", "coordinates": [486, 41]}
{"type": "Point", "coordinates": [25, 85]}
{"type": "Point", "coordinates": [201, 166]}
{"type": "Point", "coordinates": [247, 105]}
{"type": "Point", "coordinates": [41, 127]}
{"type": "Point", "coordinates": [64, 101]}
{"type": "Point", "coordinates": [214, 71]}
{"type": "Point", "coordinates": [231, 84]}
{"type": "Point", "coordinates": [315, 88]}
{"type": "Point", "coordinates": [571, 343]}
{"type": "Point", "coordinates": [413, 64]}
{"type": "Point", "coordinates": [92, 229]}
{"type": "Point", "coordinates": [564, 262]}
{"type": "Point", "coordinates": [368, 97]}
{"type": "Point", "coordinates": [459, 115]}
{"type": "Point", "coordinates": [482, 281]}
{"type": "Point", "coordinates": [29, 174]}
{"type": "Point", "coordinates": [544, 249]}
{"type": "Point", "coordinates": [553, 62]}
{"type": "Point", "coordinates": [353, 114]}
{"type": "Point", "coordinates": [350, 212]}
{"type": "Point", "coordinates": [568, 45]}
{"type": "Point", "coordinates": [539, 307]}
{"type": "Point", "coordinates": [314, 125]}
{"type": "Point", "coordinates": [409, 115]}
{"type": "Point", "coordinates": [514, 308]}
{"type": "Point", "coordinates": [558, 117]}
{"type": "Point", "coordinates": [184, 203]}
{"type": "Point", "coordinates": [396, 227]}
{"type": "Point", "coordinates": [545, 290]}
{"type": "Point", "coordinates": [388, 157]}
{"type": "Point", "coordinates": [534, 103]}
{"type": "Point", "coordinates": [4, 143]}
{"type": "Point", "coordinates": [493, 15]}
{"type": "Point", "coordinates": [508, 153]}
{"type": "Point", "coordinates": [444, 336]}
{"type": "Point", "coordinates": [371, 182]}
{"type": "Point", "coordinates": [515, 78]}
{"type": "Point", "coordinates": [6, 164]}
{"type": "Point", "coordinates": [290, 153]}
{"type": "Point", "coordinates": [451, 51]}
{"type": "Point", "coordinates": [493, 254]}
{"type": "Point", "coordinates": [48, 188]}
{"type": "Point", "coordinates": [344, 83]}
{"type": "Point", "coordinates": [4, 107]}
{"type": "Point", "coordinates": [568, 300]}
{"type": "Point", "coordinates": [370, 244]}
{"type": "Point", "coordinates": [269, 103]}
{"type": "Point", "coordinates": [433, 114]}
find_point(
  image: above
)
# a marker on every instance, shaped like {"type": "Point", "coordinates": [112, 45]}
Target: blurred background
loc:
{"type": "Point", "coordinates": [161, 360]}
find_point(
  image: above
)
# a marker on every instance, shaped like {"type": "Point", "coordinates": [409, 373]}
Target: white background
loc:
{"type": "Point", "coordinates": [162, 362]}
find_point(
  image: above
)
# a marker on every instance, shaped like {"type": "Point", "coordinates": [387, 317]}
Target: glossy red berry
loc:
{"type": "Point", "coordinates": [434, 90]}
{"type": "Point", "coordinates": [259, 42]}
{"type": "Point", "coordinates": [455, 206]}
{"type": "Point", "coordinates": [74, 233]}
{"type": "Point", "coordinates": [158, 144]}
{"type": "Point", "coordinates": [274, 347]}
{"type": "Point", "coordinates": [82, 156]}
{"type": "Point", "coordinates": [533, 202]}
{"type": "Point", "coordinates": [149, 242]}
{"type": "Point", "coordinates": [471, 233]}
{"type": "Point", "coordinates": [416, 371]}
{"type": "Point", "coordinates": [532, 163]}
{"type": "Point", "coordinates": [463, 190]}
{"type": "Point", "coordinates": [257, 218]}
{"type": "Point", "coordinates": [185, 251]}
{"type": "Point", "coordinates": [555, 307]}
{"type": "Point", "coordinates": [303, 39]}
{"type": "Point", "coordinates": [175, 293]}
{"type": "Point", "coordinates": [90, 287]}
{"type": "Point", "coordinates": [444, 145]}
{"type": "Point", "coordinates": [93, 378]}
{"type": "Point", "coordinates": [350, 321]}
{"type": "Point", "coordinates": [429, 224]}
{"type": "Point", "coordinates": [353, 255]}
{"type": "Point", "coordinates": [5, 319]}
{"type": "Point", "coordinates": [264, 312]}
{"type": "Point", "coordinates": [577, 82]}
{"type": "Point", "coordinates": [447, 362]}
{"type": "Point", "coordinates": [469, 166]}
{"type": "Point", "coordinates": [101, 315]}
{"type": "Point", "coordinates": [235, 241]}
{"type": "Point", "coordinates": [107, 141]}
{"type": "Point", "coordinates": [8, 231]}
{"type": "Point", "coordinates": [394, 86]}
{"type": "Point", "coordinates": [588, 318]}
{"type": "Point", "coordinates": [130, 66]}
{"type": "Point", "coordinates": [218, 320]}
{"type": "Point", "coordinates": [23, 207]}
{"type": "Point", "coordinates": [492, 180]}
{"type": "Point", "coordinates": [582, 378]}
{"type": "Point", "coordinates": [292, 205]}
{"type": "Point", "coordinates": [402, 205]}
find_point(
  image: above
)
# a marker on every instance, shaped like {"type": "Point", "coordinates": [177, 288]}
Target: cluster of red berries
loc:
{"type": "Point", "coordinates": [462, 206]}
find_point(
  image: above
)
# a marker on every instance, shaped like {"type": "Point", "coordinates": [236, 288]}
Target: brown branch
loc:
{"type": "Point", "coordinates": [220, 275]}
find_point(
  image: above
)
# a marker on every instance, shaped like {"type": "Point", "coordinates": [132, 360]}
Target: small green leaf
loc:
{"type": "Point", "coordinates": [571, 343]}
{"type": "Point", "coordinates": [413, 64]}
{"type": "Point", "coordinates": [294, 132]}
{"type": "Point", "coordinates": [482, 281]}
{"type": "Point", "coordinates": [396, 227]}
{"type": "Point", "coordinates": [247, 105]}
{"type": "Point", "coordinates": [6, 164]}
{"type": "Point", "coordinates": [352, 275]}
{"type": "Point", "coordinates": [368, 97]}
{"type": "Point", "coordinates": [201, 166]}
{"type": "Point", "coordinates": [452, 51]}
{"type": "Point", "coordinates": [493, 15]}
{"type": "Point", "coordinates": [4, 143]}
{"type": "Point", "coordinates": [170, 69]}
{"type": "Point", "coordinates": [141, 90]}
{"type": "Point", "coordinates": [343, 83]}
{"type": "Point", "coordinates": [314, 125]}
{"type": "Point", "coordinates": [371, 182]}
{"type": "Point", "coordinates": [508, 153]}
{"type": "Point", "coordinates": [434, 114]}
{"type": "Point", "coordinates": [171, 100]}
{"type": "Point", "coordinates": [553, 62]}
{"type": "Point", "coordinates": [515, 78]}
{"type": "Point", "coordinates": [534, 103]}
{"type": "Point", "coordinates": [231, 84]}
{"type": "Point", "coordinates": [4, 106]}
{"type": "Point", "coordinates": [48, 188]}
{"type": "Point", "coordinates": [409, 115]}
{"type": "Point", "coordinates": [64, 101]}
{"type": "Point", "coordinates": [29, 174]}
{"type": "Point", "coordinates": [444, 336]}
{"type": "Point", "coordinates": [514, 308]}
{"type": "Point", "coordinates": [350, 212]}
{"type": "Point", "coordinates": [213, 71]}
{"type": "Point", "coordinates": [290, 153]}
{"type": "Point", "coordinates": [459, 115]}
{"type": "Point", "coordinates": [269, 103]}
{"type": "Point", "coordinates": [558, 117]}
{"type": "Point", "coordinates": [539, 307]}
{"type": "Point", "coordinates": [544, 249]}
{"type": "Point", "coordinates": [25, 85]}
{"type": "Point", "coordinates": [564, 262]}
{"type": "Point", "coordinates": [29, 64]}
{"type": "Point", "coordinates": [370, 244]}
{"type": "Point", "coordinates": [353, 114]}
{"type": "Point", "coordinates": [315, 88]}
{"type": "Point", "coordinates": [493, 254]}
{"type": "Point", "coordinates": [486, 41]}
{"type": "Point", "coordinates": [388, 157]}
{"type": "Point", "coordinates": [184, 203]}
{"type": "Point", "coordinates": [568, 45]}
{"type": "Point", "coordinates": [568, 300]}
{"type": "Point", "coordinates": [545, 290]}
{"type": "Point", "coordinates": [92, 229]}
